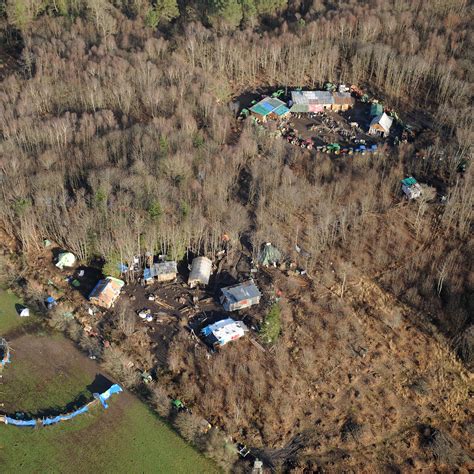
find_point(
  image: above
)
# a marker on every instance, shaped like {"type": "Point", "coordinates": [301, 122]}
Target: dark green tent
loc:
{"type": "Point", "coordinates": [269, 255]}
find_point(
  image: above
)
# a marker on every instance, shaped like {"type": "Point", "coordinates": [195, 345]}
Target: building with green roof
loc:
{"type": "Point", "coordinates": [269, 107]}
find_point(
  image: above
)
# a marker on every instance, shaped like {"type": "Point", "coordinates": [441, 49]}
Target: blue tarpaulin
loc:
{"type": "Point", "coordinates": [103, 397]}
{"type": "Point", "coordinates": [70, 416]}
{"type": "Point", "coordinates": [147, 274]}
{"type": "Point", "coordinates": [12, 421]}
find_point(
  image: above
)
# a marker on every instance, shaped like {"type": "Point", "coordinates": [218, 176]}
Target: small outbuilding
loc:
{"type": "Point", "coordinates": [201, 269]}
{"type": "Point", "coordinates": [106, 292]}
{"type": "Point", "coordinates": [376, 109]}
{"type": "Point", "coordinates": [240, 296]}
{"type": "Point", "coordinates": [161, 271]}
{"type": "Point", "coordinates": [226, 330]}
{"type": "Point", "coordinates": [65, 259]}
{"type": "Point", "coordinates": [269, 107]}
{"type": "Point", "coordinates": [381, 125]}
{"type": "Point", "coordinates": [411, 188]}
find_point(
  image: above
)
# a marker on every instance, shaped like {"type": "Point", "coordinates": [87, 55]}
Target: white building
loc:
{"type": "Point", "coordinates": [411, 188]}
{"type": "Point", "coordinates": [224, 331]}
{"type": "Point", "coordinates": [381, 125]}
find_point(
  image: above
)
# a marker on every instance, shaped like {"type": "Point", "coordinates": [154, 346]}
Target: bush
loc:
{"type": "Point", "coordinates": [218, 448]}
{"type": "Point", "coordinates": [115, 362]}
{"type": "Point", "coordinates": [350, 429]}
{"type": "Point", "coordinates": [440, 446]}
{"type": "Point", "coordinates": [111, 267]}
{"type": "Point", "coordinates": [271, 327]}
{"type": "Point", "coordinates": [161, 401]}
{"type": "Point", "coordinates": [91, 345]}
{"type": "Point", "coordinates": [189, 426]}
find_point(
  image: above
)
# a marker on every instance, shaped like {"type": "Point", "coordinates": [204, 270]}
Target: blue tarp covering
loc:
{"type": "Point", "coordinates": [70, 416]}
{"type": "Point", "coordinates": [12, 421]}
{"type": "Point", "coordinates": [147, 274]}
{"type": "Point", "coordinates": [103, 397]}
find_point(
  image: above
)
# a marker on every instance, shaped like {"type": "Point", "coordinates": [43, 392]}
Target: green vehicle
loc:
{"type": "Point", "coordinates": [178, 405]}
{"type": "Point", "coordinates": [334, 148]}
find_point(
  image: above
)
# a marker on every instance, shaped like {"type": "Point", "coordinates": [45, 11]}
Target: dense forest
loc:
{"type": "Point", "coordinates": [119, 137]}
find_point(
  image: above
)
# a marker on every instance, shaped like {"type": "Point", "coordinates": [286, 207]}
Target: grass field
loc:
{"type": "Point", "coordinates": [48, 372]}
{"type": "Point", "coordinates": [9, 319]}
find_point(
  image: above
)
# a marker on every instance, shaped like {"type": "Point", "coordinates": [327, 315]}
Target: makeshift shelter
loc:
{"type": "Point", "coordinates": [66, 259]}
{"type": "Point", "coordinates": [224, 331]}
{"type": "Point", "coordinates": [376, 109]}
{"type": "Point", "coordinates": [106, 292]}
{"type": "Point", "coordinates": [311, 101]}
{"type": "Point", "coordinates": [380, 125]}
{"type": "Point", "coordinates": [269, 255]}
{"type": "Point", "coordinates": [269, 107]}
{"type": "Point", "coordinates": [411, 188]}
{"type": "Point", "coordinates": [162, 271]}
{"type": "Point", "coordinates": [201, 269]}
{"type": "Point", "coordinates": [240, 296]}
{"type": "Point", "coordinates": [24, 312]}
{"type": "Point", "coordinates": [342, 101]}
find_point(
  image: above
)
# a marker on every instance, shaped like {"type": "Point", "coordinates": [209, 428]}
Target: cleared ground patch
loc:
{"type": "Point", "coordinates": [9, 319]}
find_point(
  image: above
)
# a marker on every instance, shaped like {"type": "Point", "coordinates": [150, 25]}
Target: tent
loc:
{"type": "Point", "coordinates": [66, 259]}
{"type": "Point", "coordinates": [269, 255]}
{"type": "Point", "coordinates": [24, 312]}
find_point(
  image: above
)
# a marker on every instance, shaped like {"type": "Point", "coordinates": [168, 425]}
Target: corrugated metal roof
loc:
{"type": "Point", "coordinates": [241, 291]}
{"type": "Point", "coordinates": [312, 97]}
{"type": "Point", "coordinates": [160, 268]}
{"type": "Point", "coordinates": [106, 291]}
{"type": "Point", "coordinates": [343, 98]}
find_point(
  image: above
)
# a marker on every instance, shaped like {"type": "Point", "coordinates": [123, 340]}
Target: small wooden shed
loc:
{"type": "Point", "coordinates": [106, 292]}
{"type": "Point", "coordinates": [240, 296]}
{"type": "Point", "coordinates": [161, 271]}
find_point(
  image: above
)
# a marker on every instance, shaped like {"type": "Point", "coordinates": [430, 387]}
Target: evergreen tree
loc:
{"type": "Point", "coordinates": [269, 7]}
{"type": "Point", "coordinates": [249, 11]}
{"type": "Point", "coordinates": [162, 11]}
{"type": "Point", "coordinates": [226, 13]}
